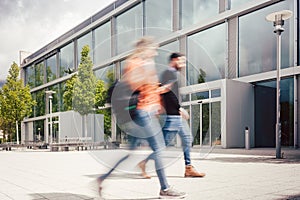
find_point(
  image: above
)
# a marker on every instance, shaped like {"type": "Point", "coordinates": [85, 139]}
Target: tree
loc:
{"type": "Point", "coordinates": [84, 87]}
{"type": "Point", "coordinates": [68, 93]}
{"type": "Point", "coordinates": [15, 102]}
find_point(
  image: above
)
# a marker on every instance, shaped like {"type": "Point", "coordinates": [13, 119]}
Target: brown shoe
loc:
{"type": "Point", "coordinates": [142, 165]}
{"type": "Point", "coordinates": [191, 172]}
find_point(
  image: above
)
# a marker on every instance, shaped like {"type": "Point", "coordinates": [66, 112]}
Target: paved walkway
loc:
{"type": "Point", "coordinates": [231, 174]}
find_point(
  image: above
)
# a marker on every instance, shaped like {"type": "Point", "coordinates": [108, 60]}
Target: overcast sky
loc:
{"type": "Point", "coordinates": [28, 25]}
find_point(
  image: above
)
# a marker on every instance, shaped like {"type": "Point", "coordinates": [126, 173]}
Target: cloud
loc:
{"type": "Point", "coordinates": [28, 25]}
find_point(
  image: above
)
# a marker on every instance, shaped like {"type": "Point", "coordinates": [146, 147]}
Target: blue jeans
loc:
{"type": "Point", "coordinates": [146, 127]}
{"type": "Point", "coordinates": [175, 124]}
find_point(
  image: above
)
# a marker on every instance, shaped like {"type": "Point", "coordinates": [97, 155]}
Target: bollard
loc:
{"type": "Point", "coordinates": [247, 138]}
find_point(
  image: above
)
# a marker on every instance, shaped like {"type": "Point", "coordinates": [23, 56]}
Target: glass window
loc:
{"type": "Point", "coordinates": [237, 3]}
{"type": "Point", "coordinates": [286, 108]}
{"type": "Point", "coordinates": [81, 42]}
{"type": "Point", "coordinates": [39, 74]}
{"type": "Point", "coordinates": [51, 68]}
{"type": "Point", "coordinates": [102, 49]}
{"type": "Point", "coordinates": [55, 98]}
{"type": "Point", "coordinates": [158, 21]}
{"type": "Point", "coordinates": [107, 74]}
{"type": "Point", "coordinates": [185, 97]}
{"type": "Point", "coordinates": [129, 28]}
{"type": "Point", "coordinates": [67, 60]}
{"type": "Point", "coordinates": [206, 55]}
{"type": "Point", "coordinates": [216, 93]}
{"type": "Point", "coordinates": [200, 95]}
{"type": "Point", "coordinates": [62, 87]}
{"type": "Point", "coordinates": [162, 59]}
{"type": "Point", "coordinates": [257, 44]}
{"type": "Point", "coordinates": [41, 103]}
{"type": "Point", "coordinates": [194, 11]}
{"type": "Point", "coordinates": [30, 76]}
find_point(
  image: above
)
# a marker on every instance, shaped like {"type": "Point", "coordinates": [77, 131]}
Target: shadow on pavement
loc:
{"type": "Point", "coordinates": [59, 196]}
{"type": "Point", "coordinates": [256, 160]}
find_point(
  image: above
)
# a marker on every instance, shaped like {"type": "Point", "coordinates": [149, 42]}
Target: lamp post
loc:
{"type": "Point", "coordinates": [50, 97]}
{"type": "Point", "coordinates": [39, 129]}
{"type": "Point", "coordinates": [278, 21]}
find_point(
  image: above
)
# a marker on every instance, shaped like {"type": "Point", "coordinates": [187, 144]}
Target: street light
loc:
{"type": "Point", "coordinates": [50, 97]}
{"type": "Point", "coordinates": [39, 129]}
{"type": "Point", "coordinates": [278, 21]}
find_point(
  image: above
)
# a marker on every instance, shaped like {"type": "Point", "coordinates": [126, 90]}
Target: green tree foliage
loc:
{"type": "Point", "coordinates": [84, 87]}
{"type": "Point", "coordinates": [85, 84]}
{"type": "Point", "coordinates": [202, 76]}
{"type": "Point", "coordinates": [15, 102]}
{"type": "Point", "coordinates": [100, 94]}
{"type": "Point", "coordinates": [68, 93]}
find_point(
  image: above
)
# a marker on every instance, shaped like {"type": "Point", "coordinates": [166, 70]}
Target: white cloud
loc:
{"type": "Point", "coordinates": [28, 25]}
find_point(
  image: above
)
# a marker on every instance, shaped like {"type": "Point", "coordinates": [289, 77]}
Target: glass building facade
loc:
{"type": "Point", "coordinates": [222, 40]}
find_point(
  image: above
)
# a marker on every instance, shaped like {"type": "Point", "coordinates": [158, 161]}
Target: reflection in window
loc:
{"type": "Point", "coordinates": [185, 97]}
{"type": "Point", "coordinates": [286, 108]}
{"type": "Point", "coordinates": [102, 47]}
{"type": "Point", "coordinates": [206, 55]}
{"type": "Point", "coordinates": [51, 68]}
{"type": "Point", "coordinates": [200, 95]}
{"type": "Point", "coordinates": [106, 74]}
{"type": "Point", "coordinates": [67, 60]}
{"type": "Point", "coordinates": [194, 11]}
{"type": "Point", "coordinates": [162, 59]}
{"type": "Point", "coordinates": [55, 98]}
{"type": "Point", "coordinates": [62, 87]}
{"type": "Point", "coordinates": [158, 17]}
{"type": "Point", "coordinates": [215, 93]}
{"type": "Point", "coordinates": [39, 74]}
{"type": "Point", "coordinates": [129, 28]}
{"type": "Point", "coordinates": [40, 106]}
{"type": "Point", "coordinates": [81, 42]}
{"type": "Point", "coordinates": [30, 76]}
{"type": "Point", "coordinates": [257, 44]}
{"type": "Point", "coordinates": [237, 3]}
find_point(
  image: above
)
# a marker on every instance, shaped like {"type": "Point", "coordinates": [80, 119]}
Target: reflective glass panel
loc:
{"type": "Point", "coordinates": [55, 98]}
{"type": "Point", "coordinates": [30, 76]}
{"type": "Point", "coordinates": [216, 123]}
{"type": "Point", "coordinates": [41, 103]}
{"type": "Point", "coordinates": [51, 68]}
{"type": "Point", "coordinates": [257, 44]}
{"type": "Point", "coordinates": [216, 93]}
{"type": "Point", "coordinates": [162, 59]}
{"type": "Point", "coordinates": [102, 49]}
{"type": "Point", "coordinates": [129, 28]}
{"type": "Point", "coordinates": [67, 59]}
{"type": "Point", "coordinates": [237, 3]}
{"type": "Point", "coordinates": [286, 108]}
{"type": "Point", "coordinates": [206, 55]}
{"type": "Point", "coordinates": [107, 74]}
{"type": "Point", "coordinates": [39, 74]}
{"type": "Point", "coordinates": [200, 95]}
{"type": "Point", "coordinates": [81, 42]}
{"type": "Point", "coordinates": [158, 21]}
{"type": "Point", "coordinates": [194, 11]}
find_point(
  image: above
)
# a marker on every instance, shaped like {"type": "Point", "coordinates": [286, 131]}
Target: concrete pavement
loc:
{"type": "Point", "coordinates": [231, 174]}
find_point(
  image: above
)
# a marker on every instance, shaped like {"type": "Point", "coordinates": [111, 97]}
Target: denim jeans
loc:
{"type": "Point", "coordinates": [145, 127]}
{"type": "Point", "coordinates": [175, 124]}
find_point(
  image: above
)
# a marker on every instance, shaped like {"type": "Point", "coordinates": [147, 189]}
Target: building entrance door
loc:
{"type": "Point", "coordinates": [206, 123]}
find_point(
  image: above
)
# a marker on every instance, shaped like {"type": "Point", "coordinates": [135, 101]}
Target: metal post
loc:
{"type": "Point", "coordinates": [278, 21]}
{"type": "Point", "coordinates": [278, 124]}
{"type": "Point", "coordinates": [50, 111]}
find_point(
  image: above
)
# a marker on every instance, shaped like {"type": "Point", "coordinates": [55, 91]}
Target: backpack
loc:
{"type": "Point", "coordinates": [123, 101]}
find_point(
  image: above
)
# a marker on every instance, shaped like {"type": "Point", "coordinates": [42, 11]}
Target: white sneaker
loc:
{"type": "Point", "coordinates": [171, 193]}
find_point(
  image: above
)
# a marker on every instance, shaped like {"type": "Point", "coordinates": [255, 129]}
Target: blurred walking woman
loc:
{"type": "Point", "coordinates": [140, 74]}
